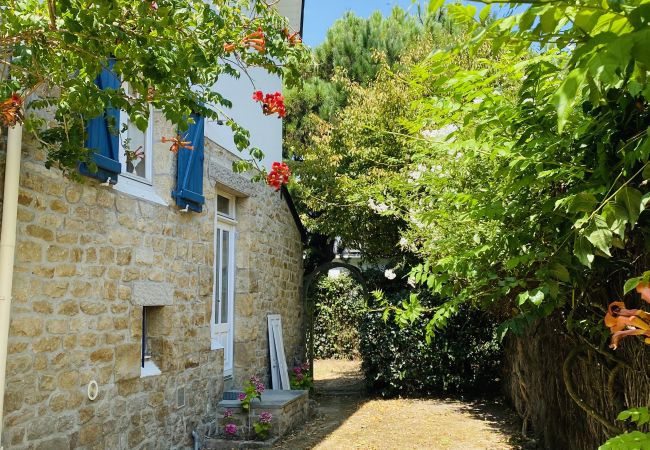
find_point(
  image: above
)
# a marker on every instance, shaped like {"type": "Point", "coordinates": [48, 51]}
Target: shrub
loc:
{"type": "Point", "coordinates": [464, 359]}
{"type": "Point", "coordinates": [338, 307]}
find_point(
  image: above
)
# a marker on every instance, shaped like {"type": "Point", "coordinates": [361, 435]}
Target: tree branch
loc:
{"type": "Point", "coordinates": [51, 7]}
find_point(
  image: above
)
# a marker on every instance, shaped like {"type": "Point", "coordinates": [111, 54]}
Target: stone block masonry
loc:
{"type": "Point", "coordinates": [88, 259]}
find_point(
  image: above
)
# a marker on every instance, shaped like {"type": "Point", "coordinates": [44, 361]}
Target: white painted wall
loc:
{"type": "Point", "coordinates": [266, 131]}
{"type": "Point", "coordinates": [292, 10]}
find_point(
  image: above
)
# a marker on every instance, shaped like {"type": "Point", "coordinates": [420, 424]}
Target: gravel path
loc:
{"type": "Point", "coordinates": [347, 419]}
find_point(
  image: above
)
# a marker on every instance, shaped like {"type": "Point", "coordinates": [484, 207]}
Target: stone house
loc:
{"type": "Point", "coordinates": [151, 294]}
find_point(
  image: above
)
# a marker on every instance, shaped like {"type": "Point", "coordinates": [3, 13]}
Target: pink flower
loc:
{"type": "Point", "coordinates": [297, 370]}
{"type": "Point", "coordinates": [241, 396]}
{"type": "Point", "coordinates": [260, 387]}
{"type": "Point", "coordinates": [231, 429]}
{"type": "Point", "coordinates": [227, 413]}
{"type": "Point", "coordinates": [265, 417]}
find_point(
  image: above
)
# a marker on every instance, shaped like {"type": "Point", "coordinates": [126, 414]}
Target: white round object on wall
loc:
{"type": "Point", "coordinates": [93, 390]}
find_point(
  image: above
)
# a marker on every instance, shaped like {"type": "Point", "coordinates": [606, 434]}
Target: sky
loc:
{"type": "Point", "coordinates": [321, 14]}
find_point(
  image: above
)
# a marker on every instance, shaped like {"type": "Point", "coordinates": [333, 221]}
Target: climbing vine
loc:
{"type": "Point", "coordinates": [170, 54]}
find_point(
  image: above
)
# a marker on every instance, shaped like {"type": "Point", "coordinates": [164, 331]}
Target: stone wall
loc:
{"type": "Point", "coordinates": [269, 273]}
{"type": "Point", "coordinates": [88, 257]}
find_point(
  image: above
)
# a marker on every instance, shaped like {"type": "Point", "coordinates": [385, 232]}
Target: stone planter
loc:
{"type": "Point", "coordinates": [289, 409]}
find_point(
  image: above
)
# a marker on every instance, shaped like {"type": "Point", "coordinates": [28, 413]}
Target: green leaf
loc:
{"type": "Point", "coordinates": [581, 202]}
{"type": "Point", "coordinates": [616, 216]}
{"type": "Point", "coordinates": [599, 234]}
{"type": "Point", "coordinates": [629, 286]}
{"type": "Point", "coordinates": [630, 198]}
{"type": "Point", "coordinates": [485, 13]}
{"type": "Point", "coordinates": [435, 5]}
{"type": "Point", "coordinates": [583, 250]}
{"type": "Point", "coordinates": [565, 98]}
{"type": "Point", "coordinates": [559, 272]}
{"type": "Point", "coordinates": [537, 297]}
{"type": "Point", "coordinates": [548, 22]}
{"type": "Point", "coordinates": [624, 415]}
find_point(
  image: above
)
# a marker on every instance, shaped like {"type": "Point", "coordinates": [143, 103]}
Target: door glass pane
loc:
{"type": "Point", "coordinates": [216, 279]}
{"type": "Point", "coordinates": [225, 269]}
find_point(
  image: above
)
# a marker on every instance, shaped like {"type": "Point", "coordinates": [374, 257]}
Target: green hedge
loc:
{"type": "Point", "coordinates": [464, 359]}
{"type": "Point", "coordinates": [339, 304]}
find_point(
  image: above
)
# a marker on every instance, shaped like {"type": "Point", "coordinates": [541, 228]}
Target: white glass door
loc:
{"type": "Point", "coordinates": [224, 293]}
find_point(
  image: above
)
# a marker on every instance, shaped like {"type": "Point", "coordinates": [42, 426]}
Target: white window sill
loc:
{"type": "Point", "coordinates": [149, 370]}
{"type": "Point", "coordinates": [139, 190]}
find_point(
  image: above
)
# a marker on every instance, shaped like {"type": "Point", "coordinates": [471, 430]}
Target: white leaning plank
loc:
{"type": "Point", "coordinates": [275, 368]}
{"type": "Point", "coordinates": [282, 373]}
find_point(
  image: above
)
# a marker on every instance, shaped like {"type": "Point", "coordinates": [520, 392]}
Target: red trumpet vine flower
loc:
{"type": "Point", "coordinates": [271, 103]}
{"type": "Point", "coordinates": [279, 175]}
{"type": "Point", "coordinates": [293, 38]}
{"type": "Point", "coordinates": [177, 144]}
{"type": "Point", "coordinates": [626, 322]}
{"type": "Point", "coordinates": [11, 111]}
{"type": "Point", "coordinates": [255, 40]}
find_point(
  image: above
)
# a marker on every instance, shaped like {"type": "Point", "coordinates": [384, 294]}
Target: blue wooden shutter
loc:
{"type": "Point", "coordinates": [105, 143]}
{"type": "Point", "coordinates": [189, 169]}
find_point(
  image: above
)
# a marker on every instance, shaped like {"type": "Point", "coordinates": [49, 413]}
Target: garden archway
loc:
{"type": "Point", "coordinates": [310, 306]}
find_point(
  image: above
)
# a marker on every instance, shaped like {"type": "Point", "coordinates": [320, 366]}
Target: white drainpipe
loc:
{"type": "Point", "coordinates": [7, 249]}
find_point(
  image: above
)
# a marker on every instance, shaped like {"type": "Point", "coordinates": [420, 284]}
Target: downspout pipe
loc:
{"type": "Point", "coordinates": [7, 250]}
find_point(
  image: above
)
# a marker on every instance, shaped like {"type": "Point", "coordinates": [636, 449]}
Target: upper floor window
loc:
{"type": "Point", "coordinates": [136, 155]}
{"type": "Point", "coordinates": [226, 206]}
{"type": "Point", "coordinates": [136, 148]}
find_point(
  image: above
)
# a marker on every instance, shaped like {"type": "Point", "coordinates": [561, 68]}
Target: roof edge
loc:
{"type": "Point", "coordinates": [284, 193]}
{"type": "Point", "coordinates": [302, 19]}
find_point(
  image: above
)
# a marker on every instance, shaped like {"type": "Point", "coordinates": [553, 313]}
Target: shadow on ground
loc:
{"type": "Point", "coordinates": [347, 419]}
{"type": "Point", "coordinates": [501, 418]}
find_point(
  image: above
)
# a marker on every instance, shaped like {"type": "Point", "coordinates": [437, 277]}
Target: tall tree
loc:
{"type": "Point", "coordinates": [354, 53]}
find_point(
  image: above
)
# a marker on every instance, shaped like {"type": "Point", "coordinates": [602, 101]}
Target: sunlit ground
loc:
{"type": "Point", "coordinates": [352, 421]}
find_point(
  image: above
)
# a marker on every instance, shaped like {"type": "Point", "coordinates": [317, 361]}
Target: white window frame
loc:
{"type": "Point", "coordinates": [129, 183]}
{"type": "Point", "coordinates": [148, 149]}
{"type": "Point", "coordinates": [231, 217]}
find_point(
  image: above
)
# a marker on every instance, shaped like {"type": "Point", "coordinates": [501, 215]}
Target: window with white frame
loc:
{"type": "Point", "coordinates": [136, 148]}
{"type": "Point", "coordinates": [226, 206]}
{"type": "Point", "coordinates": [136, 158]}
